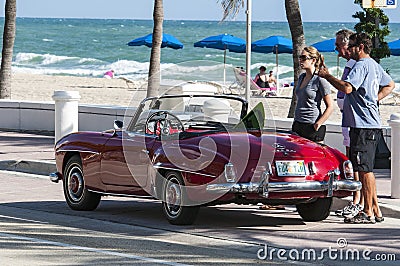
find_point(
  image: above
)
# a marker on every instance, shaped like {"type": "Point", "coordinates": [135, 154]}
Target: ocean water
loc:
{"type": "Point", "coordinates": [89, 47]}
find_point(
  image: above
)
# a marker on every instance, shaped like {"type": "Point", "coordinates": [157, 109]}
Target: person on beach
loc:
{"type": "Point", "coordinates": [310, 91]}
{"type": "Point", "coordinates": [271, 80]}
{"type": "Point", "coordinates": [366, 84]}
{"type": "Point", "coordinates": [109, 74]}
{"type": "Point", "coordinates": [261, 79]}
{"type": "Point", "coordinates": [341, 43]}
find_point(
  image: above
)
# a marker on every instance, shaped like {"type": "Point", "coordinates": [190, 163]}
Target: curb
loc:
{"type": "Point", "coordinates": [31, 167]}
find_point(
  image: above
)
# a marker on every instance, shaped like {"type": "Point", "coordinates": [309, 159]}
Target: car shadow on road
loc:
{"type": "Point", "coordinates": [149, 213]}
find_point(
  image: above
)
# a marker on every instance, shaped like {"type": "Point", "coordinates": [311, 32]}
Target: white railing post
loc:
{"type": "Point", "coordinates": [66, 112]}
{"type": "Point", "coordinates": [394, 123]}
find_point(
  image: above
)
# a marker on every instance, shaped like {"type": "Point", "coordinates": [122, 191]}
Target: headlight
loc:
{"type": "Point", "coordinates": [348, 169]}
{"type": "Point", "coordinates": [230, 173]}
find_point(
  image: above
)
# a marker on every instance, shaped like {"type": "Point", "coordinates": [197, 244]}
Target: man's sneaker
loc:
{"type": "Point", "coordinates": [340, 211]}
{"type": "Point", "coordinates": [352, 210]}
{"type": "Point", "coordinates": [360, 218]}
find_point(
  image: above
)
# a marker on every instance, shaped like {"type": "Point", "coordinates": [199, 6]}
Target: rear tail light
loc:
{"type": "Point", "coordinates": [312, 168]}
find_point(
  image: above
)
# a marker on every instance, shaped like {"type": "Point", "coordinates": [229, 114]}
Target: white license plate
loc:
{"type": "Point", "coordinates": [290, 168]}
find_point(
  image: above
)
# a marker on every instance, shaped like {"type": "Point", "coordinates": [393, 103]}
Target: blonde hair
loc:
{"type": "Point", "coordinates": [319, 58]}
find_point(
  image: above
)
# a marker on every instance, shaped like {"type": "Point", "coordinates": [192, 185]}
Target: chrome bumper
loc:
{"type": "Point", "coordinates": [264, 187]}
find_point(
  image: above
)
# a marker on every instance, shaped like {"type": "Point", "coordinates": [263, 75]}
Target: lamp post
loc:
{"type": "Point", "coordinates": [248, 49]}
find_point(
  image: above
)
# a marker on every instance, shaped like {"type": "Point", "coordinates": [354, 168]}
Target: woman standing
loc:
{"type": "Point", "coordinates": [310, 91]}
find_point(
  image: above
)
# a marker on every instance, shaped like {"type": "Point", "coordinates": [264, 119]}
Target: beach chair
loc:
{"type": "Point", "coordinates": [396, 97]}
{"type": "Point", "coordinates": [239, 85]}
{"type": "Point", "coordinates": [393, 98]}
{"type": "Point", "coordinates": [255, 90]}
{"type": "Point", "coordinates": [140, 84]}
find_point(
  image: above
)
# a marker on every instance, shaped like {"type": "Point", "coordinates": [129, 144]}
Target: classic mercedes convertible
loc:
{"type": "Point", "coordinates": [190, 151]}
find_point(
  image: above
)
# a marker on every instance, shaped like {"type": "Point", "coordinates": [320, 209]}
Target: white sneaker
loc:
{"type": "Point", "coordinates": [351, 210]}
{"type": "Point", "coordinates": [339, 212]}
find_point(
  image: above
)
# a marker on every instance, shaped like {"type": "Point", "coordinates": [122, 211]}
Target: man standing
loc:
{"type": "Point", "coordinates": [366, 84]}
{"type": "Point", "coordinates": [341, 44]}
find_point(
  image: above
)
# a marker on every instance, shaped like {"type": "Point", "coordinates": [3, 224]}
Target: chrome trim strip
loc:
{"type": "Point", "coordinates": [94, 152]}
{"type": "Point", "coordinates": [346, 185]}
{"type": "Point", "coordinates": [120, 195]}
{"type": "Point", "coordinates": [181, 170]}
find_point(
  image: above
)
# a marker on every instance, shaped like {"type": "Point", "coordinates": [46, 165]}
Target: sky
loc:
{"type": "Point", "coordinates": [263, 10]}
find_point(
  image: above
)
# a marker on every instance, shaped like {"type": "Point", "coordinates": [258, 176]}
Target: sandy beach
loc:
{"type": "Point", "coordinates": [101, 91]}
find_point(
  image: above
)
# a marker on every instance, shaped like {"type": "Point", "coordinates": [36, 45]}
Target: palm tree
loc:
{"type": "Point", "coordinates": [293, 15]}
{"type": "Point", "coordinates": [155, 56]}
{"type": "Point", "coordinates": [8, 45]}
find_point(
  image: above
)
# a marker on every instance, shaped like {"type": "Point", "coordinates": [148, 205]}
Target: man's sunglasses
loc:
{"type": "Point", "coordinates": [351, 45]}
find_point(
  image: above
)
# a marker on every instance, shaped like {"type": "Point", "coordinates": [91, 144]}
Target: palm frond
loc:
{"type": "Point", "coordinates": [231, 7]}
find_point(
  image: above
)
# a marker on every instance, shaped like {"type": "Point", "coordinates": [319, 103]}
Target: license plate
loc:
{"type": "Point", "coordinates": [290, 168]}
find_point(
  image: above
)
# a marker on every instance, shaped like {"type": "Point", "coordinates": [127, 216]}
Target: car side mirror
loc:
{"type": "Point", "coordinates": [118, 124]}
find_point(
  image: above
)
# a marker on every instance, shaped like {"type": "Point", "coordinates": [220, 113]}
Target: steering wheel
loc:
{"type": "Point", "coordinates": [163, 123]}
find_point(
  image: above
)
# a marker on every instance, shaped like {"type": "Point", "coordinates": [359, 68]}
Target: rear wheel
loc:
{"type": "Point", "coordinates": [315, 211]}
{"type": "Point", "coordinates": [174, 197]}
{"type": "Point", "coordinates": [76, 195]}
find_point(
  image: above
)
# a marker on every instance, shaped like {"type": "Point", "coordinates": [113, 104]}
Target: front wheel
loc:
{"type": "Point", "coordinates": [76, 195]}
{"type": "Point", "coordinates": [173, 195]}
{"type": "Point", "coordinates": [315, 211]}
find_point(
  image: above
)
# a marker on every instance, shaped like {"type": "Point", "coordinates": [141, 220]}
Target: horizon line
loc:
{"type": "Point", "coordinates": [209, 20]}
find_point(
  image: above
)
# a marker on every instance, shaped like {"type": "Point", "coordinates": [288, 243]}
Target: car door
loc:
{"type": "Point", "coordinates": [125, 161]}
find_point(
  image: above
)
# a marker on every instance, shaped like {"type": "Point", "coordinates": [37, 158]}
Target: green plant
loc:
{"type": "Point", "coordinates": [374, 22]}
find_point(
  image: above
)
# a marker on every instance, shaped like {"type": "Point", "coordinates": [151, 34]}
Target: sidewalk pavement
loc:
{"type": "Point", "coordinates": [34, 153]}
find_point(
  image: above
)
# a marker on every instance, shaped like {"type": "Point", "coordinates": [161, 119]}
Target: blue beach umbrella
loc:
{"type": "Point", "coordinates": [223, 42]}
{"type": "Point", "coordinates": [325, 46]}
{"type": "Point", "coordinates": [394, 47]}
{"type": "Point", "coordinates": [276, 45]}
{"type": "Point", "coordinates": [273, 44]}
{"type": "Point", "coordinates": [167, 41]}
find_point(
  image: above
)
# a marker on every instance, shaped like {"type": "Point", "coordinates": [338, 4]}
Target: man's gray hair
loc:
{"type": "Point", "coordinates": [344, 35]}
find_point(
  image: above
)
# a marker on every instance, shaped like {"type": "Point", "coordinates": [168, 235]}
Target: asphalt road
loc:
{"type": "Point", "coordinates": [38, 228]}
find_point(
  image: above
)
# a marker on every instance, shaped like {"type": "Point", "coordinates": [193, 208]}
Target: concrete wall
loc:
{"type": "Point", "coordinates": [39, 116]}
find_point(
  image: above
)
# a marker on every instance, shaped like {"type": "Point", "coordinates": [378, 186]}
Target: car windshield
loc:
{"type": "Point", "coordinates": [202, 112]}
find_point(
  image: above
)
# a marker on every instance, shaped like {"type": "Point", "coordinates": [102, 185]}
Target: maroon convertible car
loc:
{"type": "Point", "coordinates": [197, 150]}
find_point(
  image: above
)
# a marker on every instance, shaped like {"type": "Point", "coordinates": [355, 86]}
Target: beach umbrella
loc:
{"type": "Point", "coordinates": [394, 47]}
{"type": "Point", "coordinates": [223, 42]}
{"type": "Point", "coordinates": [276, 45]}
{"type": "Point", "coordinates": [328, 46]}
{"type": "Point", "coordinates": [167, 41]}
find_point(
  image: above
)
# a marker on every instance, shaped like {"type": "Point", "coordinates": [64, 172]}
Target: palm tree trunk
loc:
{"type": "Point", "coordinates": [8, 45]}
{"type": "Point", "coordinates": [155, 57]}
{"type": "Point", "coordinates": [293, 16]}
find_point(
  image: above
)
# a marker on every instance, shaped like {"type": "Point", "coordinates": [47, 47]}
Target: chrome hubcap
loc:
{"type": "Point", "coordinates": [75, 184]}
{"type": "Point", "coordinates": [173, 197]}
